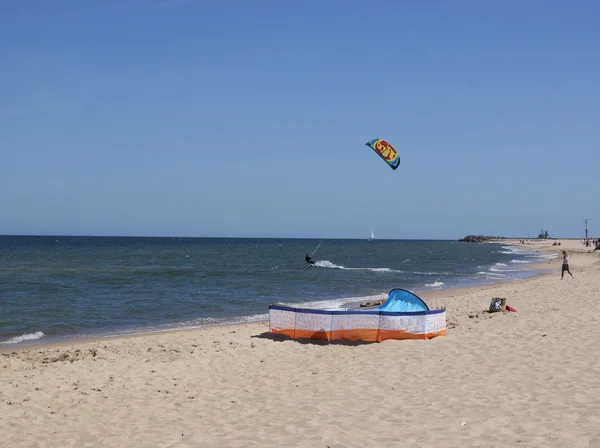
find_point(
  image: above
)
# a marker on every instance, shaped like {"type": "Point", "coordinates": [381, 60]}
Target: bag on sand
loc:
{"type": "Point", "coordinates": [498, 304]}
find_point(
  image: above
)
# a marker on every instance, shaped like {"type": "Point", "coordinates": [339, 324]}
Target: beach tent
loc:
{"type": "Point", "coordinates": [404, 301]}
{"type": "Point", "coordinates": [402, 316]}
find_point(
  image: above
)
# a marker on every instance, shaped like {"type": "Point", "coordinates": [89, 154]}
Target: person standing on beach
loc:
{"type": "Point", "coordinates": [565, 265]}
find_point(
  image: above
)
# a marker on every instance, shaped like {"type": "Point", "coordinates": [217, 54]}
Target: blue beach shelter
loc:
{"type": "Point", "coordinates": [403, 301]}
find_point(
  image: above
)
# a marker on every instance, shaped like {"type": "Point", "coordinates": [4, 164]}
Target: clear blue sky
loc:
{"type": "Point", "coordinates": [250, 118]}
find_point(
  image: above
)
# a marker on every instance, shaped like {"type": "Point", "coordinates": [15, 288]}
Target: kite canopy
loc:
{"type": "Point", "coordinates": [403, 301]}
{"type": "Point", "coordinates": [385, 151]}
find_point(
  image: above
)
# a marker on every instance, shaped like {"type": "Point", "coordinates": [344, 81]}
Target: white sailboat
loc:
{"type": "Point", "coordinates": [372, 237]}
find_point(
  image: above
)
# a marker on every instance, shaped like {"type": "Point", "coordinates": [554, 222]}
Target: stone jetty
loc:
{"type": "Point", "coordinates": [480, 238]}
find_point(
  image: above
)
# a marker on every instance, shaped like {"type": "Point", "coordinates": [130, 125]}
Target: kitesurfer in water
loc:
{"type": "Point", "coordinates": [309, 259]}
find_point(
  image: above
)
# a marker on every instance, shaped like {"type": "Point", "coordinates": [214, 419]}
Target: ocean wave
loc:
{"type": "Point", "coordinates": [24, 337]}
{"type": "Point", "coordinates": [253, 318]}
{"type": "Point", "coordinates": [546, 256]}
{"type": "Point", "coordinates": [519, 261]}
{"type": "Point", "coordinates": [335, 304]}
{"type": "Point", "coordinates": [504, 270]}
{"type": "Point", "coordinates": [491, 274]}
{"type": "Point", "coordinates": [207, 321]}
{"type": "Point", "coordinates": [510, 250]}
{"type": "Point", "coordinates": [328, 264]}
{"type": "Point", "coordinates": [501, 264]}
{"type": "Point", "coordinates": [437, 284]}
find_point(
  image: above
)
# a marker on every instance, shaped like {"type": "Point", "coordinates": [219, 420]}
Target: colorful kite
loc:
{"type": "Point", "coordinates": [385, 151]}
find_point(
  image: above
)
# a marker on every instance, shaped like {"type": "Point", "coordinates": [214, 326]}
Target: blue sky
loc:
{"type": "Point", "coordinates": [250, 118]}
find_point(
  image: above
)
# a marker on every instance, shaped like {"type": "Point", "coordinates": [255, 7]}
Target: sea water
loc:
{"type": "Point", "coordinates": [67, 287]}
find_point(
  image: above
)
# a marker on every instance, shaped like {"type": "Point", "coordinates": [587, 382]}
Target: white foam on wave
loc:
{"type": "Point", "coordinates": [330, 265]}
{"type": "Point", "coordinates": [327, 264]}
{"type": "Point", "coordinates": [334, 304]}
{"type": "Point", "coordinates": [253, 318]}
{"type": "Point", "coordinates": [24, 337]}
{"type": "Point", "coordinates": [437, 284]}
{"type": "Point", "coordinates": [504, 270]}
{"type": "Point", "coordinates": [491, 274]}
{"type": "Point", "coordinates": [501, 264]}
{"type": "Point", "coordinates": [529, 253]}
{"type": "Point", "coordinates": [546, 256]}
{"type": "Point", "coordinates": [510, 250]}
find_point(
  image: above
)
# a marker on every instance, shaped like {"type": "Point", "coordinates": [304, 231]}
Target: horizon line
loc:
{"type": "Point", "coordinates": [492, 237]}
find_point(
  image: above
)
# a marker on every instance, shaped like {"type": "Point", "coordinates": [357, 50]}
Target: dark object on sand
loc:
{"type": "Point", "coordinates": [497, 304]}
{"type": "Point", "coordinates": [373, 303]}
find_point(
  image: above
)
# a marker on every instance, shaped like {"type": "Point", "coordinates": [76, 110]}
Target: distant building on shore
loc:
{"type": "Point", "coordinates": [543, 235]}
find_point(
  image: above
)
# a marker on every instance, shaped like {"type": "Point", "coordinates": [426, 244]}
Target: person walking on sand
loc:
{"type": "Point", "coordinates": [565, 265]}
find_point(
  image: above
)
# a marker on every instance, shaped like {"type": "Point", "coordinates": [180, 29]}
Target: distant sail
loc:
{"type": "Point", "coordinates": [385, 151]}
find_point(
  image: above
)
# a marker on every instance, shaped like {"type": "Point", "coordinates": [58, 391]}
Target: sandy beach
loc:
{"type": "Point", "coordinates": [527, 379]}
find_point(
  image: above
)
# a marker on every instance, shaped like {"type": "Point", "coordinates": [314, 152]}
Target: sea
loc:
{"type": "Point", "coordinates": [56, 288]}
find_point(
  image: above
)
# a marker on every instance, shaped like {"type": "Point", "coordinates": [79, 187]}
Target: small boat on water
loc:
{"type": "Point", "coordinates": [372, 237]}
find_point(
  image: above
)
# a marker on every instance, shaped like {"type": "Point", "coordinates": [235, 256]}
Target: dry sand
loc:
{"type": "Point", "coordinates": [530, 378]}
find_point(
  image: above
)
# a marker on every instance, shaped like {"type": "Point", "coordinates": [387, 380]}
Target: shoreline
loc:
{"type": "Point", "coordinates": [424, 293]}
{"type": "Point", "coordinates": [435, 296]}
{"type": "Point", "coordinates": [47, 334]}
